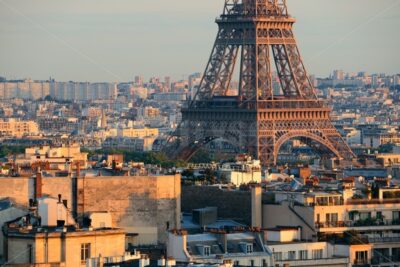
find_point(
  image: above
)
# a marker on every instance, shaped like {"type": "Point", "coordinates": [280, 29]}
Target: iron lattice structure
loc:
{"type": "Point", "coordinates": [254, 33]}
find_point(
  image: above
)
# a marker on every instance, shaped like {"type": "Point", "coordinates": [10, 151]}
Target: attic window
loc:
{"type": "Point", "coordinates": [249, 248]}
{"type": "Point", "coordinates": [206, 250]}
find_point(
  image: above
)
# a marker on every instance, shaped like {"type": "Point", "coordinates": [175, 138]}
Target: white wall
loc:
{"type": "Point", "coordinates": [176, 246]}
{"type": "Point", "coordinates": [50, 211]}
{"type": "Point", "coordinates": [283, 235]}
{"type": "Point", "coordinates": [285, 248]}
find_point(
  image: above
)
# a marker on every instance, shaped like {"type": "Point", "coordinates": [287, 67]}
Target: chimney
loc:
{"type": "Point", "coordinates": [223, 239]}
{"type": "Point", "coordinates": [78, 169]}
{"type": "Point", "coordinates": [38, 184]}
{"type": "Point", "coordinates": [256, 206]}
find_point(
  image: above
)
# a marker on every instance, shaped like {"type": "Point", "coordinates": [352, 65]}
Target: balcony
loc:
{"type": "Point", "coordinates": [315, 262]}
{"type": "Point", "coordinates": [392, 239]}
{"type": "Point", "coordinates": [358, 223]}
{"type": "Point", "coordinates": [361, 263]}
{"type": "Point", "coordinates": [373, 201]}
{"type": "Point", "coordinates": [385, 259]}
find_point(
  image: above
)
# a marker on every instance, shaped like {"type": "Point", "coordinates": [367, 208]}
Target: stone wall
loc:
{"type": "Point", "coordinates": [19, 189]}
{"type": "Point", "coordinates": [144, 204]}
{"type": "Point", "coordinates": [55, 186]}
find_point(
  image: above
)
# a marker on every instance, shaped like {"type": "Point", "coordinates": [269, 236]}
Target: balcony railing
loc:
{"type": "Point", "coordinates": [359, 223]}
{"type": "Point", "coordinates": [361, 263]}
{"type": "Point", "coordinates": [388, 239]}
{"type": "Point", "coordinates": [339, 202]}
{"type": "Point", "coordinates": [373, 201]}
{"type": "Point", "coordinates": [385, 259]}
{"type": "Point", "coordinates": [315, 262]}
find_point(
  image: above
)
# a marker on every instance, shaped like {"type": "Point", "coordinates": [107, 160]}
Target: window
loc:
{"type": "Point", "coordinates": [365, 215]}
{"type": "Point", "coordinates": [353, 214]}
{"type": "Point", "coordinates": [249, 248]}
{"type": "Point", "coordinates": [264, 263]}
{"type": "Point", "coordinates": [278, 256]}
{"type": "Point", "coordinates": [206, 250]}
{"type": "Point", "coordinates": [291, 255]}
{"type": "Point", "coordinates": [396, 254]}
{"type": "Point", "coordinates": [317, 254]}
{"type": "Point", "coordinates": [30, 253]}
{"type": "Point", "coordinates": [361, 257]}
{"type": "Point", "coordinates": [396, 215]}
{"type": "Point", "coordinates": [236, 263]}
{"type": "Point", "coordinates": [331, 217]}
{"type": "Point", "coordinates": [85, 251]}
{"type": "Point", "coordinates": [303, 254]}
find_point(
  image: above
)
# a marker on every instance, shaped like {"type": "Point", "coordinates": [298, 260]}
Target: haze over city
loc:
{"type": "Point", "coordinates": [113, 40]}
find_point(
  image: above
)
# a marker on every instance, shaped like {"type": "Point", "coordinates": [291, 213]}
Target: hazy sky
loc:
{"type": "Point", "coordinates": [113, 40]}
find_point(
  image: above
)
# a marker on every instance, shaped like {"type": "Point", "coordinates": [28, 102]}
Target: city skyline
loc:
{"type": "Point", "coordinates": [115, 151]}
{"type": "Point", "coordinates": [105, 42]}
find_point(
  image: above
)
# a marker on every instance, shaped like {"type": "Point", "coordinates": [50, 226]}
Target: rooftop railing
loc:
{"type": "Point", "coordinates": [358, 223]}
{"type": "Point", "coordinates": [373, 201]}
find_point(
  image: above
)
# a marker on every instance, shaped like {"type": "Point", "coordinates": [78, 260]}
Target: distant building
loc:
{"type": "Point", "coordinates": [57, 158]}
{"type": "Point", "coordinates": [26, 89]}
{"type": "Point", "coordinates": [58, 124]}
{"type": "Point", "coordinates": [74, 91]}
{"type": "Point", "coordinates": [375, 137]}
{"type": "Point", "coordinates": [194, 82]}
{"type": "Point", "coordinates": [388, 159]}
{"type": "Point", "coordinates": [338, 75]}
{"type": "Point", "coordinates": [138, 144]}
{"type": "Point", "coordinates": [137, 133]}
{"type": "Point", "coordinates": [244, 171]}
{"type": "Point", "coordinates": [167, 84]}
{"type": "Point", "coordinates": [92, 112]}
{"type": "Point", "coordinates": [138, 81]}
{"type": "Point", "coordinates": [16, 128]}
{"type": "Point", "coordinates": [103, 120]}
{"type": "Point", "coordinates": [169, 97]}
{"type": "Point", "coordinates": [64, 91]}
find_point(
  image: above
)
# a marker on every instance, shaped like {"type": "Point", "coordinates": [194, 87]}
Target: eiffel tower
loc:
{"type": "Point", "coordinates": [253, 33]}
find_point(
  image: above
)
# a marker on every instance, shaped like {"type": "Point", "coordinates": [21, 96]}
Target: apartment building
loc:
{"type": "Point", "coordinates": [242, 248]}
{"type": "Point", "coordinates": [51, 238]}
{"type": "Point", "coordinates": [289, 250]}
{"type": "Point", "coordinates": [58, 158]}
{"type": "Point", "coordinates": [327, 215]}
{"type": "Point", "coordinates": [17, 128]}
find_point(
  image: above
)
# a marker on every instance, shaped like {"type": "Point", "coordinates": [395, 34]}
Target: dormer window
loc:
{"type": "Point", "coordinates": [246, 248]}
{"type": "Point", "coordinates": [249, 248]}
{"type": "Point", "coordinates": [206, 250]}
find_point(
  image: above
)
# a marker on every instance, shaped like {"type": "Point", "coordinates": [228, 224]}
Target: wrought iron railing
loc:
{"type": "Point", "coordinates": [358, 223]}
